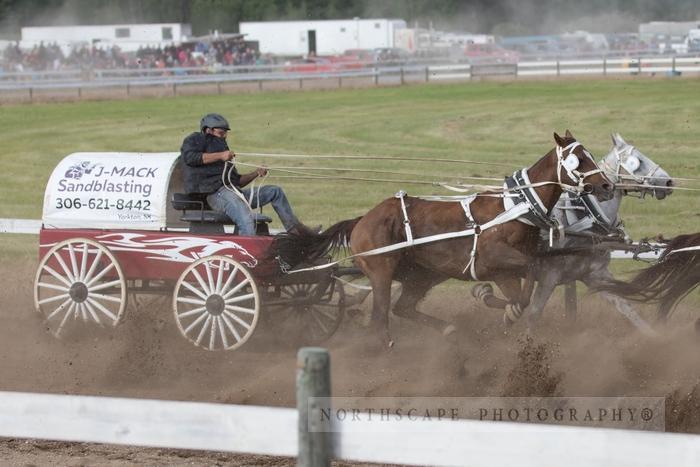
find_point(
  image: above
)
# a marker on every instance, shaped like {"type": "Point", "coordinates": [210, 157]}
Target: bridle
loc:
{"type": "Point", "coordinates": [625, 159]}
{"type": "Point", "coordinates": [570, 164]}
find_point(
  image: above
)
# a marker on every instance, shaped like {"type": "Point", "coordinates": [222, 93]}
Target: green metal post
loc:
{"type": "Point", "coordinates": [313, 381]}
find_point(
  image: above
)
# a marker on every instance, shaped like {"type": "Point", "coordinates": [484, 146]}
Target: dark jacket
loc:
{"type": "Point", "coordinates": [200, 177]}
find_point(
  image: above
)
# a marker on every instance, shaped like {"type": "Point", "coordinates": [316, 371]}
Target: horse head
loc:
{"type": "Point", "coordinates": [625, 164]}
{"type": "Point", "coordinates": [578, 171]}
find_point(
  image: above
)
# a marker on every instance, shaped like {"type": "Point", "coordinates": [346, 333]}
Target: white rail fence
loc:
{"type": "Point", "coordinates": [279, 432]}
{"type": "Point", "coordinates": [611, 66]}
{"type": "Point", "coordinates": [31, 82]}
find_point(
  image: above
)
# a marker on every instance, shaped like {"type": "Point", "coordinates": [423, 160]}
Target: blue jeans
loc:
{"type": "Point", "coordinates": [225, 200]}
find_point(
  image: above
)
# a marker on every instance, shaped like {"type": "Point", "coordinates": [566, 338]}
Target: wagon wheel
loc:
{"type": "Point", "coordinates": [80, 279]}
{"type": "Point", "coordinates": [312, 314]}
{"type": "Point", "coordinates": [216, 303]}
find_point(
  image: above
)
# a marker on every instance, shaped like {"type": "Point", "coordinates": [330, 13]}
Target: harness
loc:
{"type": "Point", "coordinates": [528, 208]}
{"type": "Point", "coordinates": [537, 216]}
{"type": "Point", "coordinates": [473, 230]}
{"type": "Point", "coordinates": [679, 250]}
{"type": "Point", "coordinates": [592, 214]}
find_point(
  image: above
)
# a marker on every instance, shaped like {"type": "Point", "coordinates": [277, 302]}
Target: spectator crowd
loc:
{"type": "Point", "coordinates": [50, 57]}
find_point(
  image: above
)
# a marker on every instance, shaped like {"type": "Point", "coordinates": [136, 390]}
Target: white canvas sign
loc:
{"type": "Point", "coordinates": [109, 190]}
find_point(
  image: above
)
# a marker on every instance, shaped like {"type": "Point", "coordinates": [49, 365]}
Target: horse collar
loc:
{"type": "Point", "coordinates": [537, 214]}
{"type": "Point", "coordinates": [594, 211]}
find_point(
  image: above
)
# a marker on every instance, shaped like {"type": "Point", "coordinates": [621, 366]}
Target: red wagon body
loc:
{"type": "Point", "coordinates": [111, 231]}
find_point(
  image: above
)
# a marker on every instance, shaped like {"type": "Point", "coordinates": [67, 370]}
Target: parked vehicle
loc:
{"type": "Point", "coordinates": [490, 53]}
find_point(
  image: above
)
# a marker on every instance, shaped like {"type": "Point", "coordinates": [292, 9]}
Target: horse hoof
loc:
{"type": "Point", "coordinates": [449, 330]}
{"type": "Point", "coordinates": [512, 314]}
{"type": "Point", "coordinates": [482, 290]}
{"type": "Point", "coordinates": [506, 320]}
{"type": "Point", "coordinates": [391, 344]}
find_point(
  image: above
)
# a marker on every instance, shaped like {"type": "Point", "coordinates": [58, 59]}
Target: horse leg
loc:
{"type": "Point", "coordinates": [483, 292]}
{"type": "Point", "coordinates": [528, 287]}
{"type": "Point", "coordinates": [603, 276]}
{"type": "Point", "coordinates": [415, 285]}
{"type": "Point", "coordinates": [379, 271]}
{"type": "Point", "coordinates": [545, 287]}
{"type": "Point", "coordinates": [508, 258]}
{"type": "Point", "coordinates": [512, 289]}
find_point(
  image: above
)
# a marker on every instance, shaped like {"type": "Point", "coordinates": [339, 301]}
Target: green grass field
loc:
{"type": "Point", "coordinates": [509, 122]}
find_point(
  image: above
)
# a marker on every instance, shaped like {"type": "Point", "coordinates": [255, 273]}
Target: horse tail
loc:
{"type": "Point", "coordinates": [666, 282]}
{"type": "Point", "coordinates": [296, 248]}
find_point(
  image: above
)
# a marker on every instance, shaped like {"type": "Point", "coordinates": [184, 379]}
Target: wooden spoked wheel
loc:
{"type": "Point", "coordinates": [79, 282]}
{"type": "Point", "coordinates": [216, 303]}
{"type": "Point", "coordinates": [310, 312]}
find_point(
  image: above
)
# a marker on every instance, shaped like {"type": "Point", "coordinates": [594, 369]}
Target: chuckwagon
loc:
{"type": "Point", "coordinates": [116, 225]}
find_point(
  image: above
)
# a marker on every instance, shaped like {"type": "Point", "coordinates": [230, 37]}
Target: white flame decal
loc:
{"type": "Point", "coordinates": [173, 248]}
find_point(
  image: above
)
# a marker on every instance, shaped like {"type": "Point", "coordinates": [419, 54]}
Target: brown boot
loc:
{"type": "Point", "coordinates": [301, 229]}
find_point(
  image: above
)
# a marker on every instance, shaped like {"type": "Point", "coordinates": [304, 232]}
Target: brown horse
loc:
{"type": "Point", "coordinates": [503, 252]}
{"type": "Point", "coordinates": [668, 281]}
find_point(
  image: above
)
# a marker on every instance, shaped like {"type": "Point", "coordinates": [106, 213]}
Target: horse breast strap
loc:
{"type": "Point", "coordinates": [536, 215]}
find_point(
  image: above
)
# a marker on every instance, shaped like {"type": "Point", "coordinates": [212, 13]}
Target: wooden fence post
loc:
{"type": "Point", "coordinates": [570, 301]}
{"type": "Point", "coordinates": [31, 94]}
{"type": "Point", "coordinates": [403, 81]}
{"type": "Point", "coordinates": [313, 380]}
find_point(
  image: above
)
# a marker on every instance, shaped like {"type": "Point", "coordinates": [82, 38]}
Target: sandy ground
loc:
{"type": "Point", "coordinates": [601, 355]}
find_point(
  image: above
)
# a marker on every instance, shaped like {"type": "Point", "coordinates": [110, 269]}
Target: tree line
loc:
{"type": "Point", "coordinates": [506, 17]}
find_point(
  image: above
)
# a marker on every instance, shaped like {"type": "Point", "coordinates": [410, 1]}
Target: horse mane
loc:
{"type": "Point", "coordinates": [668, 281]}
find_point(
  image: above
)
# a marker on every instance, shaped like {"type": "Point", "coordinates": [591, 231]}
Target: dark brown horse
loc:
{"type": "Point", "coordinates": [503, 253]}
{"type": "Point", "coordinates": [675, 275]}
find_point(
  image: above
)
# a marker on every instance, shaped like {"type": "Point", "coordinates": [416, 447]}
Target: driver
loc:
{"type": "Point", "coordinates": [204, 155]}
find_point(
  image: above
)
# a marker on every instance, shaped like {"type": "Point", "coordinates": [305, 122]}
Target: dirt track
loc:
{"type": "Point", "coordinates": [147, 358]}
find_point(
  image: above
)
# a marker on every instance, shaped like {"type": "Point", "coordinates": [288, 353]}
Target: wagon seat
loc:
{"type": "Point", "coordinates": [202, 219]}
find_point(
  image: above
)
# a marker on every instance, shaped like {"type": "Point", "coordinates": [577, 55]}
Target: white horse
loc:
{"type": "Point", "coordinates": [583, 219]}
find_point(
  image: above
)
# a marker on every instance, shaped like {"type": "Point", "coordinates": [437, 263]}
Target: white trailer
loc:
{"type": "Point", "coordinates": [323, 37]}
{"type": "Point", "coordinates": [129, 37]}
